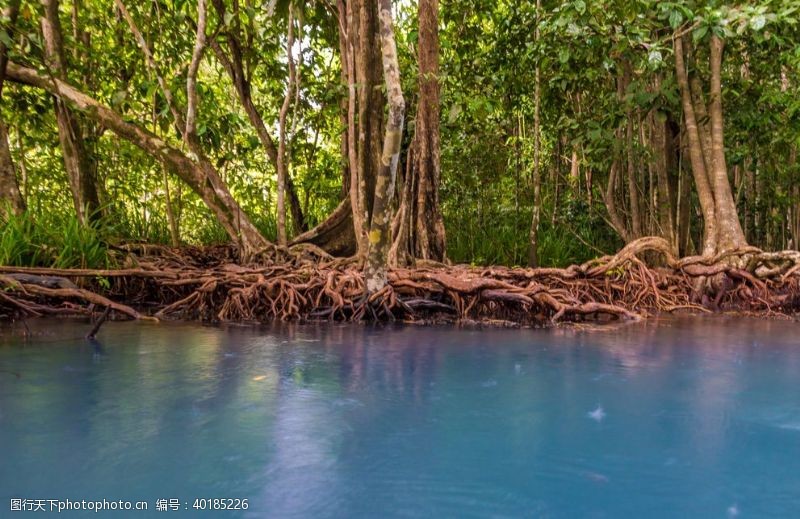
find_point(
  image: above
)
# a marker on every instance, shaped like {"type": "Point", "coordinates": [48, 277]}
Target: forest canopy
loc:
{"type": "Point", "coordinates": [502, 132]}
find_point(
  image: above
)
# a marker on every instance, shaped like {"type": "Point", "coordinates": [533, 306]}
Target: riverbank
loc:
{"type": "Point", "coordinates": [305, 284]}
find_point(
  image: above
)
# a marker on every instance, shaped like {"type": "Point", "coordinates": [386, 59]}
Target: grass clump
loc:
{"type": "Point", "coordinates": [29, 240]}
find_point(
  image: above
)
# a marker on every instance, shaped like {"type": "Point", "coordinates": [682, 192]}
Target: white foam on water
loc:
{"type": "Point", "coordinates": [597, 415]}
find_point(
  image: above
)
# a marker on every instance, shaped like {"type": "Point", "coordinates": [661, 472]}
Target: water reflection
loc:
{"type": "Point", "coordinates": [350, 421]}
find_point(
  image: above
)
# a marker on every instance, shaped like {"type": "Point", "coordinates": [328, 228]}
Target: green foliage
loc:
{"type": "Point", "coordinates": [50, 241]}
{"type": "Point", "coordinates": [20, 243]}
{"type": "Point", "coordinates": [488, 57]}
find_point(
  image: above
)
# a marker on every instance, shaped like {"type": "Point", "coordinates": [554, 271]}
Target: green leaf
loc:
{"type": "Point", "coordinates": [675, 19]}
{"type": "Point", "coordinates": [5, 39]}
{"type": "Point", "coordinates": [700, 33]}
{"type": "Point", "coordinates": [758, 22]}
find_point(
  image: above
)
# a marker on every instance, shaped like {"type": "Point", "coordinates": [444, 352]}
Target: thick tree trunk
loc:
{"type": "Point", "coordinates": [199, 175]}
{"type": "Point", "coordinates": [366, 118]}
{"type": "Point", "coordinates": [77, 162]}
{"type": "Point", "coordinates": [379, 235]}
{"type": "Point", "coordinates": [10, 196]}
{"type": "Point", "coordinates": [418, 229]}
{"type": "Point", "coordinates": [429, 225]}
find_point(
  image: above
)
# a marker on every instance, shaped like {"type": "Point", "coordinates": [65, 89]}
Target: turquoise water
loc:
{"type": "Point", "coordinates": [685, 418]}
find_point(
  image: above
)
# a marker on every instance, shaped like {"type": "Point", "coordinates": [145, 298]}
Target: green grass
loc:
{"type": "Point", "coordinates": [29, 240]}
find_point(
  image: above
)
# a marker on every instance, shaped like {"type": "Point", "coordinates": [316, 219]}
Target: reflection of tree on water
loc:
{"type": "Point", "coordinates": [328, 392]}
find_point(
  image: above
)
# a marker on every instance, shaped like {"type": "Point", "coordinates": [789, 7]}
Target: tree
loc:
{"type": "Point", "coordinates": [379, 230]}
{"type": "Point", "coordinates": [419, 226]}
{"type": "Point", "coordinates": [9, 186]}
{"type": "Point", "coordinates": [198, 173]}
{"type": "Point", "coordinates": [722, 229]}
{"type": "Point", "coordinates": [70, 133]}
{"type": "Point", "coordinates": [533, 252]}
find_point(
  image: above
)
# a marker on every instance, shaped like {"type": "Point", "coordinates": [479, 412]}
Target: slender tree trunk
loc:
{"type": "Point", "coordinates": [174, 229]}
{"type": "Point", "coordinates": [633, 186]}
{"type": "Point", "coordinates": [574, 169]}
{"type": "Point", "coordinates": [533, 236]}
{"type": "Point", "coordinates": [76, 160]}
{"type": "Point", "coordinates": [662, 148]}
{"type": "Point", "coordinates": [684, 213]}
{"type": "Point", "coordinates": [344, 73]}
{"type": "Point", "coordinates": [10, 195]}
{"type": "Point", "coordinates": [282, 131]}
{"type": "Point", "coordinates": [379, 235]}
{"type": "Point", "coordinates": [698, 162]}
{"type": "Point", "coordinates": [360, 218]}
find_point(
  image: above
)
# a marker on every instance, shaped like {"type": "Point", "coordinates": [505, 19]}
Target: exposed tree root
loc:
{"type": "Point", "coordinates": [308, 284]}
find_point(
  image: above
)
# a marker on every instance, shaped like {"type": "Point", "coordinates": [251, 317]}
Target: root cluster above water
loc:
{"type": "Point", "coordinates": [306, 284]}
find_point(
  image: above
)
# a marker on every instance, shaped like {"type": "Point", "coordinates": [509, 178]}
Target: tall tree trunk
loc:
{"type": "Point", "coordinates": [430, 235]}
{"type": "Point", "coordinates": [536, 212]}
{"type": "Point", "coordinates": [684, 213]}
{"type": "Point", "coordinates": [379, 235]}
{"type": "Point", "coordinates": [635, 204]}
{"type": "Point", "coordinates": [633, 186]}
{"type": "Point", "coordinates": [366, 103]}
{"type": "Point", "coordinates": [10, 196]}
{"type": "Point", "coordinates": [282, 131]}
{"type": "Point", "coordinates": [730, 230]}
{"type": "Point", "coordinates": [696, 156]}
{"type": "Point", "coordinates": [76, 160]}
{"type": "Point", "coordinates": [418, 229]}
{"type": "Point", "coordinates": [662, 148]}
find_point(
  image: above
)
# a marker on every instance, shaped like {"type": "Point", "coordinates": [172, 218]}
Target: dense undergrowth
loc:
{"type": "Point", "coordinates": [477, 234]}
{"type": "Point", "coordinates": [52, 240]}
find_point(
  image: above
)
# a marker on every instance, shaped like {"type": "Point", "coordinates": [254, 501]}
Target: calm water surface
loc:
{"type": "Point", "coordinates": [685, 418]}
